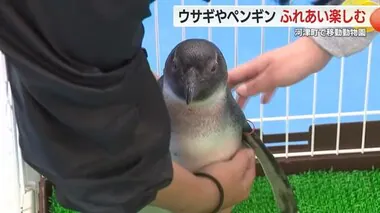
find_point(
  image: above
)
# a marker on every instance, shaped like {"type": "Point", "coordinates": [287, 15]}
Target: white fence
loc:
{"type": "Point", "coordinates": [287, 117]}
{"type": "Point", "coordinates": [19, 181]}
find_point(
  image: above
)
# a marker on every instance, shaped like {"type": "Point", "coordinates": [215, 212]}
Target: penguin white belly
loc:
{"type": "Point", "coordinates": [196, 151]}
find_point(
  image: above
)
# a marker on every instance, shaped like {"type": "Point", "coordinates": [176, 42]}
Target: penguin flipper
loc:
{"type": "Point", "coordinates": [247, 127]}
{"type": "Point", "coordinates": [281, 187]}
{"type": "Point", "coordinates": [236, 113]}
{"type": "Point", "coordinates": [282, 190]}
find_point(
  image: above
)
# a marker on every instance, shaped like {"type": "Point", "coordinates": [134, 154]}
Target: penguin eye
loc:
{"type": "Point", "coordinates": [175, 66]}
{"type": "Point", "coordinates": [213, 69]}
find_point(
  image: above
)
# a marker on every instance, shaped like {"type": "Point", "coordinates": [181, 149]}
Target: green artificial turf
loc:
{"type": "Point", "coordinates": [316, 192]}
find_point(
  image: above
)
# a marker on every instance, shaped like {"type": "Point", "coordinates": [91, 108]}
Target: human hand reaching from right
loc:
{"type": "Point", "coordinates": [278, 68]}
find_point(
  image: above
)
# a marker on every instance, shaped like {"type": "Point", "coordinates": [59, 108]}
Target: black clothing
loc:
{"type": "Point", "coordinates": [90, 114]}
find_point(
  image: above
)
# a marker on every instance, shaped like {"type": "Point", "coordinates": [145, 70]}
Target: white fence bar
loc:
{"type": "Point", "coordinates": [314, 113]}
{"type": "Point", "coordinates": [366, 95]}
{"type": "Point", "coordinates": [10, 187]}
{"type": "Point", "coordinates": [340, 100]}
{"type": "Point", "coordinates": [20, 161]}
{"type": "Point", "coordinates": [157, 38]}
{"type": "Point", "coordinates": [183, 28]}
{"type": "Point", "coordinates": [209, 29]}
{"type": "Point", "coordinates": [322, 115]}
{"type": "Point", "coordinates": [236, 41]}
{"type": "Point", "coordinates": [262, 105]}
{"type": "Point", "coordinates": [327, 152]}
{"type": "Point", "coordinates": [287, 102]}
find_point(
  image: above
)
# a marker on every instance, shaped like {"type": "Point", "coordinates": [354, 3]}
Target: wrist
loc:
{"type": "Point", "coordinates": [188, 193]}
{"type": "Point", "coordinates": [209, 192]}
{"type": "Point", "coordinates": [319, 55]}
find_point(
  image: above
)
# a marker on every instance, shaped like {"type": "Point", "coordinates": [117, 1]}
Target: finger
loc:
{"type": "Point", "coordinates": [247, 71]}
{"type": "Point", "coordinates": [254, 86]}
{"type": "Point", "coordinates": [267, 97]}
{"type": "Point", "coordinates": [242, 101]}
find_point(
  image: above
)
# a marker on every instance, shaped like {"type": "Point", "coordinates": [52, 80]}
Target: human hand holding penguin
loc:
{"type": "Point", "coordinates": [236, 176]}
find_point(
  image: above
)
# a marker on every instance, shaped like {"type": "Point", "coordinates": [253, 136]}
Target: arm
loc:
{"type": "Point", "coordinates": [90, 115]}
{"type": "Point", "coordinates": [345, 46]}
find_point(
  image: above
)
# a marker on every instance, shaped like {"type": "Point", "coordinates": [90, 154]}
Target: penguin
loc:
{"type": "Point", "coordinates": [207, 125]}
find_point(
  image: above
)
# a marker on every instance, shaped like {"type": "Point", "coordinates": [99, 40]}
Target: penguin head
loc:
{"type": "Point", "coordinates": [195, 69]}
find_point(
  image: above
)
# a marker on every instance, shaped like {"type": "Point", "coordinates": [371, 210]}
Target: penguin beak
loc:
{"type": "Point", "coordinates": [190, 86]}
{"type": "Point", "coordinates": [189, 94]}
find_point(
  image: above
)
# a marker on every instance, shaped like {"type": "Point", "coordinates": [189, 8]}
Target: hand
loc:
{"type": "Point", "coordinates": [198, 194]}
{"type": "Point", "coordinates": [278, 68]}
{"type": "Point", "coordinates": [236, 176]}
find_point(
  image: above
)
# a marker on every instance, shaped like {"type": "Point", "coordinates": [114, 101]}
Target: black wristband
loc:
{"type": "Point", "coordinates": [218, 185]}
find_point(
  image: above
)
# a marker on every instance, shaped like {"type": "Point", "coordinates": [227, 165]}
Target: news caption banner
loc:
{"type": "Point", "coordinates": [327, 21]}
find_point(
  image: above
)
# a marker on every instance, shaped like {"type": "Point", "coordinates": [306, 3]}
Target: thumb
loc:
{"type": "Point", "coordinates": [243, 159]}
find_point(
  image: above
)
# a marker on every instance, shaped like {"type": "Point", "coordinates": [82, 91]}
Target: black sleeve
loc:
{"type": "Point", "coordinates": [90, 114]}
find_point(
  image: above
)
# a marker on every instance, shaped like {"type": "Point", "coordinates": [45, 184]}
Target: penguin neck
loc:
{"type": "Point", "coordinates": [216, 100]}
